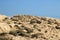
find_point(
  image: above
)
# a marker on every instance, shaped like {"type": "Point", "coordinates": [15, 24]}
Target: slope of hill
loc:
{"type": "Point", "coordinates": [27, 27]}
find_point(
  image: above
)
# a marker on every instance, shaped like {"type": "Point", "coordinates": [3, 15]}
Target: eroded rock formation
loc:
{"type": "Point", "coordinates": [27, 27]}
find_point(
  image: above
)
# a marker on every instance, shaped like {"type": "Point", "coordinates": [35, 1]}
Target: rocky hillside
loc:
{"type": "Point", "coordinates": [27, 27]}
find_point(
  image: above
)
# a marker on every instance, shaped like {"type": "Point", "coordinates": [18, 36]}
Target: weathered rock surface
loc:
{"type": "Point", "coordinates": [27, 27]}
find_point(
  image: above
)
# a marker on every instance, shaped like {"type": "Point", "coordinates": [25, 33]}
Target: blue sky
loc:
{"type": "Point", "coordinates": [50, 8]}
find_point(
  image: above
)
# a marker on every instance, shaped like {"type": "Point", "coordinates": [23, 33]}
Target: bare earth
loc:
{"type": "Point", "coordinates": [27, 27]}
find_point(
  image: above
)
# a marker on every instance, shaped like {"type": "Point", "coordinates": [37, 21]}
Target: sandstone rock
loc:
{"type": "Point", "coordinates": [2, 17]}
{"type": "Point", "coordinates": [27, 27]}
{"type": "Point", "coordinates": [4, 28]}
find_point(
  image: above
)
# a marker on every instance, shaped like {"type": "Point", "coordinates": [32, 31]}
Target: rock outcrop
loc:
{"type": "Point", "coordinates": [27, 27]}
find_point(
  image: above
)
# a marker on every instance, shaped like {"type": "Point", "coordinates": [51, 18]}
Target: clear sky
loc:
{"type": "Point", "coordinates": [50, 8]}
